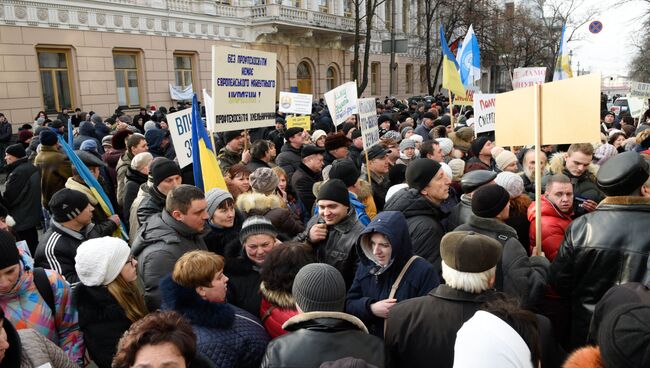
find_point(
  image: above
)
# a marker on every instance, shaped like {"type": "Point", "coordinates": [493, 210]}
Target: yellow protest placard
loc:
{"type": "Point", "coordinates": [299, 122]}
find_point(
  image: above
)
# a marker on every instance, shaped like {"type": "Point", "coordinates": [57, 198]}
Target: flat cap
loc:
{"type": "Point", "coordinates": [376, 151]}
{"type": "Point", "coordinates": [310, 149]}
{"type": "Point", "coordinates": [474, 179]}
{"type": "Point", "coordinates": [467, 251]}
{"type": "Point", "coordinates": [89, 159]}
{"type": "Point", "coordinates": [622, 174]}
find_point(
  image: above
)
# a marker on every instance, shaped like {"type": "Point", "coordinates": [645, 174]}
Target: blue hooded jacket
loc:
{"type": "Point", "coordinates": [359, 208]}
{"type": "Point", "coordinates": [372, 282]}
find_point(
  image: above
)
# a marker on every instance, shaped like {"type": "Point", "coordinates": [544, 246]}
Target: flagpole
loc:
{"type": "Point", "coordinates": [451, 110]}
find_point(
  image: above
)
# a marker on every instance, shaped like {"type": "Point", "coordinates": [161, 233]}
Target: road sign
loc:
{"type": "Point", "coordinates": [595, 26]}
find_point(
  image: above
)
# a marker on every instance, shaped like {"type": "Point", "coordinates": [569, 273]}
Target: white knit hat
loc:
{"type": "Point", "coordinates": [447, 169]}
{"type": "Point", "coordinates": [446, 145]}
{"type": "Point", "coordinates": [457, 168]}
{"type": "Point", "coordinates": [505, 159]}
{"type": "Point", "coordinates": [99, 261]}
{"type": "Point", "coordinates": [511, 182]}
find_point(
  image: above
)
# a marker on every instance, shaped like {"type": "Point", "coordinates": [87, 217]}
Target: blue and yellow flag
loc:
{"type": "Point", "coordinates": [207, 174]}
{"type": "Point", "coordinates": [450, 74]}
{"type": "Point", "coordinates": [93, 185]}
{"type": "Point", "coordinates": [563, 63]}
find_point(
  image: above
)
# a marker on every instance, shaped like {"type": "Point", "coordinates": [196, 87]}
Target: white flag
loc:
{"type": "Point", "coordinates": [209, 111]}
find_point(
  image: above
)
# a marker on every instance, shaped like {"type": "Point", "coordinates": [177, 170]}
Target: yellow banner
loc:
{"type": "Point", "coordinates": [299, 122]}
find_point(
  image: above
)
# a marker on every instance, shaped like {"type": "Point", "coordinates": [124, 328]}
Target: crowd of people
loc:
{"type": "Point", "coordinates": [418, 251]}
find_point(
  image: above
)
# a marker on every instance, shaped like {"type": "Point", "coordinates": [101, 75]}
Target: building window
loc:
{"type": "Point", "coordinates": [349, 8]}
{"type": "Point", "coordinates": [389, 15]}
{"type": "Point", "coordinates": [423, 79]}
{"type": "Point", "coordinates": [56, 82]}
{"type": "Point", "coordinates": [126, 78]}
{"type": "Point", "coordinates": [409, 78]}
{"type": "Point", "coordinates": [223, 2]}
{"type": "Point", "coordinates": [323, 6]}
{"type": "Point", "coordinates": [374, 78]}
{"type": "Point", "coordinates": [183, 70]}
{"type": "Point", "coordinates": [297, 4]}
{"type": "Point", "coordinates": [331, 78]}
{"type": "Point", "coordinates": [304, 78]}
{"type": "Point", "coordinates": [406, 10]}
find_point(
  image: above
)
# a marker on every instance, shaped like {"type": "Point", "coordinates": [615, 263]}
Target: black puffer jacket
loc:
{"type": "Point", "coordinates": [22, 194]}
{"type": "Point", "coordinates": [601, 249]}
{"type": "Point", "coordinates": [134, 179]}
{"type": "Point", "coordinates": [243, 283]}
{"type": "Point", "coordinates": [220, 240]}
{"type": "Point", "coordinates": [424, 221]}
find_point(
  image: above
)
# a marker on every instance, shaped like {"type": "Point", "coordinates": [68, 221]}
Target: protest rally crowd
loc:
{"type": "Point", "coordinates": [416, 252]}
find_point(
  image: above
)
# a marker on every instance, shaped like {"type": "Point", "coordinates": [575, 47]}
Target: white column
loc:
{"type": "Point", "coordinates": [398, 15]}
{"type": "Point", "coordinates": [339, 5]}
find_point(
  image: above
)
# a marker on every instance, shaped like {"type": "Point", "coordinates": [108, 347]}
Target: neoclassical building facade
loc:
{"type": "Point", "coordinates": [101, 54]}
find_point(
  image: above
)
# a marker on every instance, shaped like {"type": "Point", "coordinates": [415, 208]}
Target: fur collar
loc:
{"type": "Point", "coordinates": [556, 165]}
{"type": "Point", "coordinates": [626, 200]}
{"type": "Point", "coordinates": [586, 357]}
{"type": "Point", "coordinates": [365, 190]}
{"type": "Point", "coordinates": [75, 185]}
{"type": "Point", "coordinates": [197, 311]}
{"type": "Point", "coordinates": [491, 225]}
{"type": "Point", "coordinates": [310, 316]}
{"type": "Point", "coordinates": [279, 298]}
{"type": "Point", "coordinates": [247, 202]}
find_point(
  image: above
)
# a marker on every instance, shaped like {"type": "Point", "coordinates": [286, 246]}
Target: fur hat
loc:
{"type": "Point", "coordinates": [100, 260]}
{"type": "Point", "coordinates": [336, 140]}
{"type": "Point", "coordinates": [264, 180]}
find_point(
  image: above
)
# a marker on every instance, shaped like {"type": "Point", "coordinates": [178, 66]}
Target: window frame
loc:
{"type": "Point", "coordinates": [68, 61]}
{"type": "Point", "coordinates": [191, 56]}
{"type": "Point", "coordinates": [375, 84]}
{"type": "Point", "coordinates": [408, 70]}
{"type": "Point", "coordinates": [138, 69]}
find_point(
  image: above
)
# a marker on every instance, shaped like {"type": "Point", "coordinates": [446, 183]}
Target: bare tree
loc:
{"type": "Point", "coordinates": [363, 34]}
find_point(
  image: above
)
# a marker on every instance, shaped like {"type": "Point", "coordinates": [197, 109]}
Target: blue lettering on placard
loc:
{"type": "Point", "coordinates": [183, 124]}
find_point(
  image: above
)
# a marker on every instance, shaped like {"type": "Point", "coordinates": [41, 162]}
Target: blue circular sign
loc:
{"type": "Point", "coordinates": [595, 26]}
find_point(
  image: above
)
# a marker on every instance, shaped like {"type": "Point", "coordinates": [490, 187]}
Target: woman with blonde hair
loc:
{"type": "Point", "coordinates": [107, 297]}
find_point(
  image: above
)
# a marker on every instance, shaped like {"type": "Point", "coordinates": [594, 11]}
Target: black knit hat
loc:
{"type": "Point", "coordinates": [256, 225]}
{"type": "Point", "coordinates": [624, 336]}
{"type": "Point", "coordinates": [47, 137]}
{"type": "Point", "coordinates": [310, 149]}
{"type": "Point", "coordinates": [8, 250]}
{"type": "Point", "coordinates": [467, 251]}
{"type": "Point", "coordinates": [623, 174]}
{"type": "Point", "coordinates": [319, 287]}
{"type": "Point", "coordinates": [420, 172]}
{"type": "Point", "coordinates": [356, 134]}
{"type": "Point", "coordinates": [66, 204]}
{"type": "Point", "coordinates": [230, 135]}
{"type": "Point", "coordinates": [334, 190]}
{"type": "Point", "coordinates": [478, 144]}
{"type": "Point", "coordinates": [397, 174]}
{"type": "Point", "coordinates": [293, 131]}
{"type": "Point", "coordinates": [162, 168]}
{"type": "Point", "coordinates": [345, 170]}
{"type": "Point", "coordinates": [488, 201]}
{"type": "Point", "coordinates": [17, 150]}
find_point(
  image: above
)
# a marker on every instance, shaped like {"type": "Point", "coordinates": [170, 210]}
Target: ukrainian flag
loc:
{"type": "Point", "coordinates": [450, 74]}
{"type": "Point", "coordinates": [93, 185]}
{"type": "Point", "coordinates": [207, 174]}
{"type": "Point", "coordinates": [563, 63]}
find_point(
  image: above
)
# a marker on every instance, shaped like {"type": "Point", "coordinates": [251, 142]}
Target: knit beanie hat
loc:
{"type": "Point", "coordinates": [141, 160]}
{"type": "Point", "coordinates": [99, 261]}
{"type": "Point", "coordinates": [345, 170]}
{"type": "Point", "coordinates": [9, 255]}
{"type": "Point", "coordinates": [406, 130]}
{"type": "Point", "coordinates": [47, 137]}
{"type": "Point", "coordinates": [292, 131]}
{"type": "Point", "coordinates": [17, 150]}
{"type": "Point", "coordinates": [397, 174]}
{"type": "Point", "coordinates": [264, 180]}
{"type": "Point", "coordinates": [319, 287]}
{"type": "Point", "coordinates": [478, 144]}
{"type": "Point", "coordinates": [106, 141]}
{"type": "Point", "coordinates": [511, 182]}
{"type": "Point", "coordinates": [334, 190]}
{"type": "Point", "coordinates": [504, 159]}
{"type": "Point", "coordinates": [230, 135]}
{"type": "Point", "coordinates": [24, 135]}
{"type": "Point", "coordinates": [420, 172]}
{"type": "Point", "coordinates": [256, 225]}
{"type": "Point", "coordinates": [215, 197]}
{"type": "Point", "coordinates": [496, 150]}
{"type": "Point", "coordinates": [446, 145]}
{"type": "Point", "coordinates": [457, 168]}
{"type": "Point", "coordinates": [488, 201]}
{"type": "Point", "coordinates": [317, 134]}
{"type": "Point", "coordinates": [444, 167]}
{"type": "Point", "coordinates": [162, 168]}
{"type": "Point", "coordinates": [149, 125]}
{"type": "Point", "coordinates": [355, 134]}
{"type": "Point", "coordinates": [66, 204]}
{"type": "Point", "coordinates": [624, 336]}
{"type": "Point", "coordinates": [96, 119]}
{"type": "Point", "coordinates": [406, 143]}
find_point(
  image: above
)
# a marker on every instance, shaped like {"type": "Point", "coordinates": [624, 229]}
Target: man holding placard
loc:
{"type": "Point", "coordinates": [233, 153]}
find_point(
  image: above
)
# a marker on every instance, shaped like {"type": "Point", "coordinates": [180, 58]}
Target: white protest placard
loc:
{"type": "Point", "coordinates": [295, 103]}
{"type": "Point", "coordinates": [639, 89]}
{"type": "Point", "coordinates": [342, 102]}
{"type": "Point", "coordinates": [368, 121]}
{"type": "Point", "coordinates": [243, 88]}
{"type": "Point", "coordinates": [484, 108]}
{"type": "Point", "coordinates": [180, 129]}
{"type": "Point", "coordinates": [526, 77]}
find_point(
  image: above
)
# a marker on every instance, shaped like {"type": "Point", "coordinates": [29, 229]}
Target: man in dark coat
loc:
{"type": "Point", "coordinates": [165, 176]}
{"type": "Point", "coordinates": [5, 136]}
{"type": "Point", "coordinates": [322, 332]}
{"type": "Point", "coordinates": [233, 152]}
{"type": "Point", "coordinates": [87, 132]}
{"type": "Point", "coordinates": [308, 174]}
{"type": "Point", "coordinates": [469, 183]}
{"type": "Point", "coordinates": [289, 158]}
{"type": "Point", "coordinates": [22, 195]}
{"type": "Point", "coordinates": [356, 148]}
{"type": "Point", "coordinates": [422, 330]}
{"type": "Point", "coordinates": [54, 166]}
{"type": "Point", "coordinates": [379, 166]}
{"type": "Point", "coordinates": [420, 204]}
{"type": "Point", "coordinates": [482, 160]}
{"type": "Point", "coordinates": [608, 246]}
{"type": "Point", "coordinates": [336, 147]}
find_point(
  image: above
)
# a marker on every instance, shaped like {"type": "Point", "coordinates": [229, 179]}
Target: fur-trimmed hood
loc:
{"type": "Point", "coordinates": [196, 310]}
{"type": "Point", "coordinates": [258, 202]}
{"type": "Point", "coordinates": [556, 165]}
{"type": "Point", "coordinates": [279, 298]}
{"type": "Point", "coordinates": [307, 319]}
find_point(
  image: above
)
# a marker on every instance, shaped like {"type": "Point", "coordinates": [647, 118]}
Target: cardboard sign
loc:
{"type": "Point", "coordinates": [342, 102]}
{"type": "Point", "coordinates": [639, 89]}
{"type": "Point", "coordinates": [468, 99]}
{"type": "Point", "coordinates": [295, 103]}
{"type": "Point", "coordinates": [180, 129]}
{"type": "Point", "coordinates": [484, 112]}
{"type": "Point", "coordinates": [368, 121]}
{"type": "Point", "coordinates": [299, 122]}
{"type": "Point", "coordinates": [243, 88]}
{"type": "Point", "coordinates": [526, 77]}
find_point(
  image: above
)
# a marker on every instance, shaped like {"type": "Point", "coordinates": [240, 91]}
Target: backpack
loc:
{"type": "Point", "coordinates": [44, 288]}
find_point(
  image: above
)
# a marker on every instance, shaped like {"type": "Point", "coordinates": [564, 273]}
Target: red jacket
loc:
{"type": "Point", "coordinates": [554, 225]}
{"type": "Point", "coordinates": [275, 311]}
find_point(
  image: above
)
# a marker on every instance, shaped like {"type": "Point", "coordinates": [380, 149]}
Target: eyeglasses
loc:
{"type": "Point", "coordinates": [130, 260]}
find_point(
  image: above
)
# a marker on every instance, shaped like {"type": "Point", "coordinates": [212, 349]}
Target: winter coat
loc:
{"type": "Point", "coordinates": [354, 154]}
{"type": "Point", "coordinates": [5, 132]}
{"type": "Point", "coordinates": [152, 203]}
{"type": "Point", "coordinates": [302, 182]}
{"type": "Point", "coordinates": [103, 225]}
{"type": "Point", "coordinates": [422, 330]}
{"type": "Point", "coordinates": [112, 158]}
{"type": "Point", "coordinates": [58, 247]}
{"type": "Point", "coordinates": [243, 283]}
{"type": "Point", "coordinates": [134, 179]}
{"type": "Point", "coordinates": [519, 221]}
{"type": "Point", "coordinates": [318, 337]}
{"type": "Point", "coordinates": [25, 308]}
{"type": "Point", "coordinates": [601, 249]}
{"type": "Point", "coordinates": [155, 138]}
{"type": "Point", "coordinates": [30, 349]}
{"type": "Point", "coordinates": [584, 186]}
{"type": "Point", "coordinates": [55, 170]}
{"type": "Point", "coordinates": [276, 308]}
{"type": "Point", "coordinates": [273, 208]}
{"type": "Point", "coordinates": [424, 223]}
{"type": "Point", "coordinates": [122, 165]}
{"type": "Point", "coordinates": [422, 131]}
{"type": "Point", "coordinates": [218, 240]}
{"type": "Point", "coordinates": [289, 160]}
{"type": "Point", "coordinates": [518, 275]}
{"type": "Point", "coordinates": [380, 185]}
{"type": "Point", "coordinates": [22, 194]}
{"type": "Point", "coordinates": [338, 248]}
{"type": "Point", "coordinates": [554, 225]}
{"type": "Point", "coordinates": [102, 320]}
{"type": "Point", "coordinates": [256, 164]}
{"type": "Point", "coordinates": [373, 283]}
{"type": "Point", "coordinates": [134, 224]}
{"type": "Point", "coordinates": [159, 243]}
{"type": "Point", "coordinates": [227, 335]}
{"type": "Point", "coordinates": [475, 163]}
{"type": "Point", "coordinates": [227, 158]}
{"type": "Point", "coordinates": [459, 215]}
